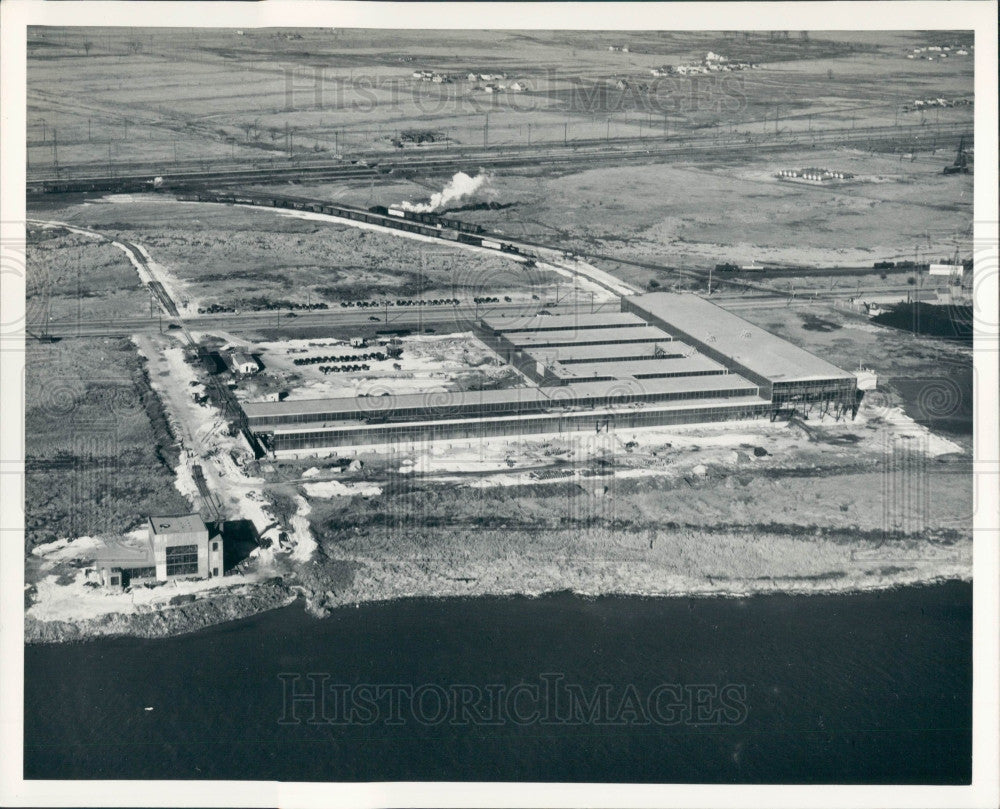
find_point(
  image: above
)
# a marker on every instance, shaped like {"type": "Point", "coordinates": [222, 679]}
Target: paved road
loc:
{"type": "Point", "coordinates": [345, 322]}
{"type": "Point", "coordinates": [333, 320]}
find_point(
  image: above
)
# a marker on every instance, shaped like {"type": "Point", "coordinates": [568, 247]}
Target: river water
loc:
{"type": "Point", "coordinates": [859, 688]}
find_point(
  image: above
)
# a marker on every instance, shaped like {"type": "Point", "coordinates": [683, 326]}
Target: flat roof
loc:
{"type": "Point", "coordinates": [581, 320]}
{"type": "Point", "coordinates": [116, 551]}
{"type": "Point", "coordinates": [608, 351]}
{"type": "Point", "coordinates": [620, 334]}
{"type": "Point", "coordinates": [377, 404]}
{"type": "Point", "coordinates": [553, 395]}
{"type": "Point", "coordinates": [177, 524]}
{"type": "Point", "coordinates": [697, 364]}
{"type": "Point", "coordinates": [744, 342]}
{"type": "Point", "coordinates": [653, 387]}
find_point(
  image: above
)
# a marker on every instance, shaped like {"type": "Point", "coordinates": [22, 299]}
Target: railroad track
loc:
{"type": "Point", "coordinates": [590, 151]}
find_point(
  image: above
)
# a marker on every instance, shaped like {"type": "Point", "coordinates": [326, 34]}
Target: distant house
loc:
{"type": "Point", "coordinates": [945, 269]}
{"type": "Point", "coordinates": [242, 363]}
{"type": "Point", "coordinates": [177, 547]}
{"type": "Point", "coordinates": [518, 87]}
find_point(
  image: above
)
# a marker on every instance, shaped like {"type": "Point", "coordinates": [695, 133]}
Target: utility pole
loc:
{"type": "Point", "coordinates": [55, 147]}
{"type": "Point", "coordinates": [710, 269]}
{"type": "Point", "coordinates": [565, 133]}
{"type": "Point", "coordinates": [486, 131]}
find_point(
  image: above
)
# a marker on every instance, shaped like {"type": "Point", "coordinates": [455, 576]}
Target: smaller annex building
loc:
{"type": "Point", "coordinates": [177, 546]}
{"type": "Point", "coordinates": [241, 362]}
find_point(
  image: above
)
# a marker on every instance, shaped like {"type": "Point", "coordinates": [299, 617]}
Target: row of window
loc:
{"type": "Point", "coordinates": [555, 423]}
{"type": "Point", "coordinates": [182, 560]}
{"type": "Point", "coordinates": [472, 410]}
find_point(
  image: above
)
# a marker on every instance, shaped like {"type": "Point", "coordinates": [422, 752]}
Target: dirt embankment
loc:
{"type": "Point", "coordinates": [175, 620]}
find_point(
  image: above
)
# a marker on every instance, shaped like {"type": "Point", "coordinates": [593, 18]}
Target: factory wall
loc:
{"type": "Point", "coordinates": [548, 423]}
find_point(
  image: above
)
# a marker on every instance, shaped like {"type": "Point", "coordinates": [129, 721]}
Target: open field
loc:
{"type": "Point", "coordinates": [159, 96]}
{"type": "Point", "coordinates": [666, 214]}
{"type": "Point", "coordinates": [72, 276]}
{"type": "Point", "coordinates": [246, 258]}
{"type": "Point", "coordinates": [99, 453]}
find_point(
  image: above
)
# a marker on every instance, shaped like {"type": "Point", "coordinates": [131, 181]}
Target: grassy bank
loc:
{"type": "Point", "coordinates": [99, 454]}
{"type": "Point", "coordinates": [655, 536]}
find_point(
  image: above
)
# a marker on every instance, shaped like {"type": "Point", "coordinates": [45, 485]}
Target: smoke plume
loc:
{"type": "Point", "coordinates": [461, 186]}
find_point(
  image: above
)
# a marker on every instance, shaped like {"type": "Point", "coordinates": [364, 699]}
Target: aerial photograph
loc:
{"type": "Point", "coordinates": [498, 405]}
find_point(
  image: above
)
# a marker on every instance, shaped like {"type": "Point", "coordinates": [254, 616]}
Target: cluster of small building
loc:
{"type": "Point", "coordinates": [625, 84]}
{"type": "Point", "coordinates": [932, 52]}
{"type": "Point", "coordinates": [430, 75]}
{"type": "Point", "coordinates": [712, 63]}
{"type": "Point", "coordinates": [813, 175]}
{"type": "Point", "coordinates": [925, 103]}
{"type": "Point", "coordinates": [492, 86]}
{"type": "Point", "coordinates": [487, 76]}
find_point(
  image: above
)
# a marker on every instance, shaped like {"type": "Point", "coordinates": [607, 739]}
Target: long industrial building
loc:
{"type": "Point", "coordinates": [664, 359]}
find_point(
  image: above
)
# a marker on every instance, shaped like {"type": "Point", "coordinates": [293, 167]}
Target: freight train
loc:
{"type": "Point", "coordinates": [425, 224]}
{"type": "Point", "coordinates": [900, 265]}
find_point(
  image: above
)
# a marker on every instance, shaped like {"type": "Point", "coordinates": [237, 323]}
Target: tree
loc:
{"type": "Point", "coordinates": [87, 45]}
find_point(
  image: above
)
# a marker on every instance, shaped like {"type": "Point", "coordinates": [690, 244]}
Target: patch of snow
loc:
{"type": "Point", "coordinates": [334, 488]}
{"type": "Point", "coordinates": [303, 541]}
{"type": "Point", "coordinates": [79, 601]}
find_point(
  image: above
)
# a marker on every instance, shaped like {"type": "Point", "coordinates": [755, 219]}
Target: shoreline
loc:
{"type": "Point", "coordinates": [276, 594]}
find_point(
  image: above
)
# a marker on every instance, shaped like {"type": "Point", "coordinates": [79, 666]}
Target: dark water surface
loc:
{"type": "Point", "coordinates": [862, 688]}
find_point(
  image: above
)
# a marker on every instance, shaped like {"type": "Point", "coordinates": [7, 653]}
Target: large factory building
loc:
{"type": "Point", "coordinates": [664, 359]}
{"type": "Point", "coordinates": [785, 372]}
